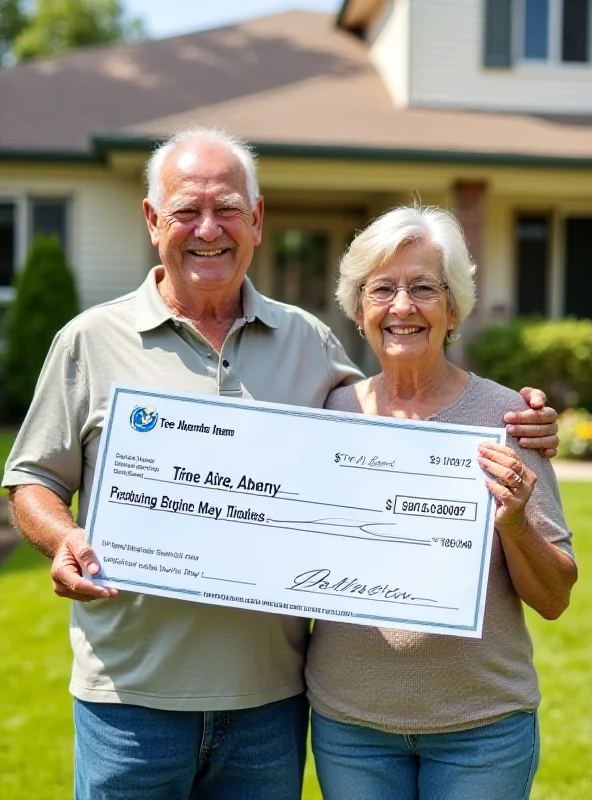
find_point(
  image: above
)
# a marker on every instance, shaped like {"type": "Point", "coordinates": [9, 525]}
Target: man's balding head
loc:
{"type": "Point", "coordinates": [200, 140]}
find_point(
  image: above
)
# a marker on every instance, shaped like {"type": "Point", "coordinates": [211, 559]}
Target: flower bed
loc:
{"type": "Point", "coordinates": [575, 433]}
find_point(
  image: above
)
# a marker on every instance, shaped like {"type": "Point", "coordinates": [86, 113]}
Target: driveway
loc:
{"type": "Point", "coordinates": [572, 470]}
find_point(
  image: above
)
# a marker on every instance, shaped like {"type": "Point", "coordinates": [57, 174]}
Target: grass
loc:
{"type": "Point", "coordinates": [563, 654]}
{"type": "Point", "coordinates": [35, 708]}
{"type": "Point", "coordinates": [6, 440]}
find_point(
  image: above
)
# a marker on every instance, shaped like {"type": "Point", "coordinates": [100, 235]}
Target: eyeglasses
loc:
{"type": "Point", "coordinates": [423, 291]}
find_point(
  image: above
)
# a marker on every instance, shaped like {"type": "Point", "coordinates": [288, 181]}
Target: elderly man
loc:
{"type": "Point", "coordinates": [176, 700]}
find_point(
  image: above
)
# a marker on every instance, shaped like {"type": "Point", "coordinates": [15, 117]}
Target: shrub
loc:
{"type": "Point", "coordinates": [45, 300]}
{"type": "Point", "coordinates": [554, 355]}
{"type": "Point", "coordinates": [575, 434]}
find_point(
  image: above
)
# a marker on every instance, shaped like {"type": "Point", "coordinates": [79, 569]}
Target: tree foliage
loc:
{"type": "Point", "coordinates": [56, 26]}
{"type": "Point", "coordinates": [12, 21]}
{"type": "Point", "coordinates": [45, 300]}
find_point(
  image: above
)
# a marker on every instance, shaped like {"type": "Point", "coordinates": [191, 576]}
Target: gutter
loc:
{"type": "Point", "coordinates": [421, 156]}
{"type": "Point", "coordinates": [54, 156]}
{"type": "Point", "coordinates": [103, 144]}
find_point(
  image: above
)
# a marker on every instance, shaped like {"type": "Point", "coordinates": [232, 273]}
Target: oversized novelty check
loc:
{"type": "Point", "coordinates": [290, 510]}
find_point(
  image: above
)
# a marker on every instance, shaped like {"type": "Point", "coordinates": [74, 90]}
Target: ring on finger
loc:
{"type": "Point", "coordinates": [515, 481]}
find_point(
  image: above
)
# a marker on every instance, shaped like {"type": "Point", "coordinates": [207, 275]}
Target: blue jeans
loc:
{"type": "Point", "coordinates": [125, 752]}
{"type": "Point", "coordinates": [492, 762]}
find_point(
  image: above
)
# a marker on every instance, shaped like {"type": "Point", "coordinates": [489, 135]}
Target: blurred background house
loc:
{"type": "Point", "coordinates": [483, 106]}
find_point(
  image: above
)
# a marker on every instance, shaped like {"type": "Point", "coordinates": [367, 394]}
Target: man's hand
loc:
{"type": "Point", "coordinates": [45, 520]}
{"type": "Point", "coordinates": [72, 557]}
{"type": "Point", "coordinates": [536, 428]}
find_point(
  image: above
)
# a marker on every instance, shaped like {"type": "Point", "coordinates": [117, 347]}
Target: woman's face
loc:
{"type": "Point", "coordinates": [405, 328]}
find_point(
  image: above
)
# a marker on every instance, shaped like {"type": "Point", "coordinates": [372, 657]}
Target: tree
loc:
{"type": "Point", "coordinates": [56, 26]}
{"type": "Point", "coordinates": [12, 21]}
{"type": "Point", "coordinates": [45, 300]}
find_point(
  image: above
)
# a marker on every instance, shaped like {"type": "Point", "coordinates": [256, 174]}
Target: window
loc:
{"type": "Point", "coordinates": [20, 220]}
{"type": "Point", "coordinates": [301, 264]}
{"type": "Point", "coordinates": [7, 243]}
{"type": "Point", "coordinates": [7, 261]}
{"type": "Point", "coordinates": [43, 215]}
{"type": "Point", "coordinates": [532, 261]}
{"type": "Point", "coordinates": [576, 30]}
{"type": "Point", "coordinates": [551, 31]}
{"type": "Point", "coordinates": [49, 216]}
{"type": "Point", "coordinates": [578, 266]}
{"type": "Point", "coordinates": [557, 31]}
{"type": "Point", "coordinates": [536, 29]}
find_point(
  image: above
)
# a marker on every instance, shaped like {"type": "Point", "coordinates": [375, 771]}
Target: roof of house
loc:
{"type": "Point", "coordinates": [291, 83]}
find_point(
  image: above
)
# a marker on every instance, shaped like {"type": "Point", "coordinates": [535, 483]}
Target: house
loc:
{"type": "Point", "coordinates": [483, 106]}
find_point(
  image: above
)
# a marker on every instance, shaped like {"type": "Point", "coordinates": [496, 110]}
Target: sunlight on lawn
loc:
{"type": "Point", "coordinates": [35, 709]}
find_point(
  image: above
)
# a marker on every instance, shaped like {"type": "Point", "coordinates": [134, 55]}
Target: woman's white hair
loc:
{"type": "Point", "coordinates": [195, 136]}
{"type": "Point", "coordinates": [378, 243]}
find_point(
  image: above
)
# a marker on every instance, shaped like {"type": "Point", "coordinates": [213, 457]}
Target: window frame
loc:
{"type": "Point", "coordinates": [24, 228]}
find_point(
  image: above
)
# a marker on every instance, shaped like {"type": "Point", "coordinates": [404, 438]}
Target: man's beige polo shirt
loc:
{"type": "Point", "coordinates": [152, 651]}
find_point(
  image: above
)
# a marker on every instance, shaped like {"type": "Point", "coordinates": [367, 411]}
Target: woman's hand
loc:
{"type": "Point", "coordinates": [514, 483]}
{"type": "Point", "coordinates": [541, 572]}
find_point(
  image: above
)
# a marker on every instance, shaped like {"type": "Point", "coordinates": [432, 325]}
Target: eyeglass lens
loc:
{"type": "Point", "coordinates": [421, 291]}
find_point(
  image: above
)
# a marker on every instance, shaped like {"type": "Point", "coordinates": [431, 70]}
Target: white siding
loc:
{"type": "Point", "coordinates": [388, 41]}
{"type": "Point", "coordinates": [446, 67]}
{"type": "Point", "coordinates": [108, 239]}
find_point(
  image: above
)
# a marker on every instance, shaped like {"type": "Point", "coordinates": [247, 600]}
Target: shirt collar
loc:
{"type": "Point", "coordinates": [256, 305]}
{"type": "Point", "coordinates": [151, 310]}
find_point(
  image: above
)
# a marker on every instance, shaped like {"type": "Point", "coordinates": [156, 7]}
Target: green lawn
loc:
{"type": "Point", "coordinates": [35, 723]}
{"type": "Point", "coordinates": [6, 440]}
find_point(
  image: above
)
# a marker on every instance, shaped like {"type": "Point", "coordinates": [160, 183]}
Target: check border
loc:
{"type": "Point", "coordinates": [246, 405]}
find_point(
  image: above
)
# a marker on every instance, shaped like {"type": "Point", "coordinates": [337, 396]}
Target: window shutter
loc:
{"type": "Point", "coordinates": [498, 33]}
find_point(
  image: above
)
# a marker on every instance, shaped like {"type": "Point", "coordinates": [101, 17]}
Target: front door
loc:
{"type": "Point", "coordinates": [297, 263]}
{"type": "Point", "coordinates": [578, 266]}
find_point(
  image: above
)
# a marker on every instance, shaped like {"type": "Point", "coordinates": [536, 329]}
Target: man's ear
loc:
{"type": "Point", "coordinates": [257, 213]}
{"type": "Point", "coordinates": [152, 222]}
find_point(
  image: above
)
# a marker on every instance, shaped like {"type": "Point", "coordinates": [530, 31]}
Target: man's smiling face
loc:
{"type": "Point", "coordinates": [205, 230]}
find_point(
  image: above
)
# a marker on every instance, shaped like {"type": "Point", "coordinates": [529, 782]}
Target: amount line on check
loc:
{"type": "Point", "coordinates": [383, 540]}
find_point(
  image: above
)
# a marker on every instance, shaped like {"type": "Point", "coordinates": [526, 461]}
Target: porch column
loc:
{"type": "Point", "coordinates": [469, 206]}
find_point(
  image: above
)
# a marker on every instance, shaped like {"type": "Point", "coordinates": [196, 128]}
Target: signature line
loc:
{"type": "Point", "coordinates": [377, 600]}
{"type": "Point", "coordinates": [227, 580]}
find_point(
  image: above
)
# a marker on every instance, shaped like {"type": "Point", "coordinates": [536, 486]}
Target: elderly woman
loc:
{"type": "Point", "coordinates": [409, 715]}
